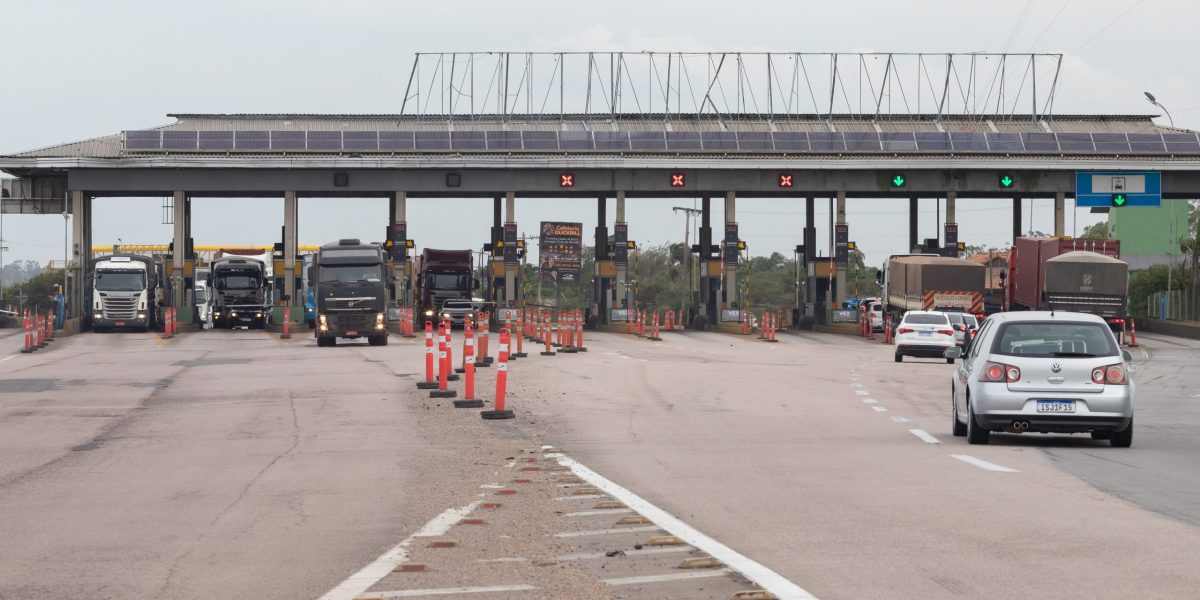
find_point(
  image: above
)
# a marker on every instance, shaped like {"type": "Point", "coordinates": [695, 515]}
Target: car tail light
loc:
{"type": "Point", "coordinates": [1000, 373]}
{"type": "Point", "coordinates": [1098, 375]}
{"type": "Point", "coordinates": [904, 330]}
{"type": "Point", "coordinates": [1117, 321]}
{"type": "Point", "coordinates": [1110, 374]}
{"type": "Point", "coordinates": [946, 331]}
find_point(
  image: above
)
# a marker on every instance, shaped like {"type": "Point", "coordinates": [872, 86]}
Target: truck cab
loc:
{"type": "Point", "coordinates": [123, 293]}
{"type": "Point", "coordinates": [350, 292]}
{"type": "Point", "coordinates": [238, 287]}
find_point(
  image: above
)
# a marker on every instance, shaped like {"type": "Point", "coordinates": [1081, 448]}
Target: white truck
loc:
{"type": "Point", "coordinates": [126, 292]}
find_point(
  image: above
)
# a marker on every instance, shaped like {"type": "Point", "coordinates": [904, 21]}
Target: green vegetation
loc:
{"type": "Point", "coordinates": [40, 289]}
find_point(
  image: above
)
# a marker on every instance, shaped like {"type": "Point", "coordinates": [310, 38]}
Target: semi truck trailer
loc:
{"type": "Point", "coordinates": [1075, 275]}
{"type": "Point", "coordinates": [930, 282]}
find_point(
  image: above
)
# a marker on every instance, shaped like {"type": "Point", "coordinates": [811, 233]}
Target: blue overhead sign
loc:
{"type": "Point", "coordinates": [1118, 188]}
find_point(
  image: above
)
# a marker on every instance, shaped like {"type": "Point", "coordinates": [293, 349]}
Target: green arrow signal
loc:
{"type": "Point", "coordinates": [1006, 181]}
{"type": "Point", "coordinates": [898, 181]}
{"type": "Point", "coordinates": [1118, 200]}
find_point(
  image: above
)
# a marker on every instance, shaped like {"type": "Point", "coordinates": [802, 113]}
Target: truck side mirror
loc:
{"type": "Point", "coordinates": [474, 283]}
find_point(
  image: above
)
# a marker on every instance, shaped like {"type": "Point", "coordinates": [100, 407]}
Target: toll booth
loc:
{"type": "Point", "coordinates": [819, 288]}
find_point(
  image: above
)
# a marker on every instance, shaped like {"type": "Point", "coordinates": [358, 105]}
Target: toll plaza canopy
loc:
{"type": "Point", "coordinates": [264, 154]}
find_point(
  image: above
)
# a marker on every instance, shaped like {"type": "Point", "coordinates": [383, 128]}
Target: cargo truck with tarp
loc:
{"type": "Point", "coordinates": [930, 282]}
{"type": "Point", "coordinates": [1075, 275]}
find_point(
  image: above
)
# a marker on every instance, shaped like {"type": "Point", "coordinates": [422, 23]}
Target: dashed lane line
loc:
{"type": "Point", "coordinates": [879, 409]}
{"type": "Point", "coordinates": [593, 555]}
{"type": "Point", "coordinates": [983, 464]}
{"type": "Point", "coordinates": [924, 436]}
{"type": "Point", "coordinates": [9, 357]}
{"type": "Point", "coordinates": [764, 577]}
{"type": "Point", "coordinates": [379, 568]}
{"type": "Point", "coordinates": [667, 577]}
{"type": "Point", "coordinates": [597, 513]}
{"type": "Point", "coordinates": [490, 589]}
{"type": "Point", "coordinates": [870, 401]}
{"type": "Point", "coordinates": [583, 497]}
{"type": "Point", "coordinates": [900, 419]}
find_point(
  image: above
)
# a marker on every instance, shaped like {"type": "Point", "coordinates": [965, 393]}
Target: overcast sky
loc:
{"type": "Point", "coordinates": [78, 69]}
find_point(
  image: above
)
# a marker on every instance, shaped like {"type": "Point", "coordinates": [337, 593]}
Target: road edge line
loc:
{"type": "Point", "coordinates": [764, 577]}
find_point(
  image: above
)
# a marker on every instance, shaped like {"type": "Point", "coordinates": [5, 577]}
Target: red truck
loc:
{"type": "Point", "coordinates": [1077, 275]}
{"type": "Point", "coordinates": [441, 276]}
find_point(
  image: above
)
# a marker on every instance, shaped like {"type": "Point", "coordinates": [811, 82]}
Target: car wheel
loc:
{"type": "Point", "coordinates": [975, 433]}
{"type": "Point", "coordinates": [958, 428]}
{"type": "Point", "coordinates": [899, 357]}
{"type": "Point", "coordinates": [1124, 438]}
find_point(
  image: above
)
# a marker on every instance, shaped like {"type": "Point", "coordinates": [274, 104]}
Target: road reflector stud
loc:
{"type": "Point", "coordinates": [755, 595]}
{"type": "Point", "coordinates": [585, 491]}
{"type": "Point", "coordinates": [552, 450]}
{"type": "Point", "coordinates": [610, 504]}
{"type": "Point", "coordinates": [490, 505]}
{"type": "Point", "coordinates": [473, 521]}
{"type": "Point", "coordinates": [558, 468]}
{"type": "Point", "coordinates": [699, 562]}
{"type": "Point", "coordinates": [529, 459]}
{"type": "Point", "coordinates": [633, 520]}
{"type": "Point", "coordinates": [522, 480]}
{"type": "Point", "coordinates": [443, 544]}
{"type": "Point", "coordinates": [530, 469]}
{"type": "Point", "coordinates": [569, 480]}
{"type": "Point", "coordinates": [505, 492]}
{"type": "Point", "coordinates": [665, 540]}
{"type": "Point", "coordinates": [411, 568]}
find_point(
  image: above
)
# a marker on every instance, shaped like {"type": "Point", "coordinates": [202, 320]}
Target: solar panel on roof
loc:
{"type": "Point", "coordinates": [898, 141]}
{"type": "Point", "coordinates": [683, 140]}
{"type": "Point", "coordinates": [216, 140]}
{"type": "Point", "coordinates": [1005, 142]}
{"type": "Point", "coordinates": [540, 140]}
{"type": "Point", "coordinates": [143, 140]}
{"type": "Point", "coordinates": [754, 141]}
{"type": "Point", "coordinates": [432, 140]}
{"type": "Point", "coordinates": [861, 141]}
{"type": "Point", "coordinates": [1146, 142]}
{"type": "Point", "coordinates": [179, 140]}
{"type": "Point", "coordinates": [252, 140]}
{"type": "Point", "coordinates": [647, 140]}
{"type": "Point", "coordinates": [968, 141]}
{"type": "Point", "coordinates": [1115, 143]}
{"type": "Point", "coordinates": [287, 140]}
{"type": "Point", "coordinates": [612, 140]}
{"type": "Point", "coordinates": [575, 140]}
{"type": "Point", "coordinates": [791, 141]}
{"type": "Point", "coordinates": [468, 140]}
{"type": "Point", "coordinates": [324, 140]}
{"type": "Point", "coordinates": [1039, 142]}
{"type": "Point", "coordinates": [1181, 142]}
{"type": "Point", "coordinates": [826, 141]}
{"type": "Point", "coordinates": [719, 140]}
{"type": "Point", "coordinates": [395, 140]}
{"type": "Point", "coordinates": [1179, 137]}
{"type": "Point", "coordinates": [360, 140]}
{"type": "Point", "coordinates": [935, 141]}
{"type": "Point", "coordinates": [504, 140]}
{"type": "Point", "coordinates": [1075, 142]}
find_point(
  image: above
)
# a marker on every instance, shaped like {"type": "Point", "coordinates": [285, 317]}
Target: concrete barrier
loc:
{"type": "Point", "coordinates": [1183, 329]}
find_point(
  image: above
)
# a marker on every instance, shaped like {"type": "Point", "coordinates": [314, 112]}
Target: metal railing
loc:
{"type": "Point", "coordinates": [1176, 305]}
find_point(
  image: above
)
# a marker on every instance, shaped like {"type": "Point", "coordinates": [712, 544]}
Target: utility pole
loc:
{"type": "Point", "coordinates": [687, 250]}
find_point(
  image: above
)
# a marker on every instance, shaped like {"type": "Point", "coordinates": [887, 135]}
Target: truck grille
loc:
{"type": "Point", "coordinates": [356, 321]}
{"type": "Point", "coordinates": [119, 308]}
{"type": "Point", "coordinates": [349, 304]}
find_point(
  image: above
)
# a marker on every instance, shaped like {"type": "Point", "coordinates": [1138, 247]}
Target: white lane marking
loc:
{"type": "Point", "coordinates": [491, 486]}
{"type": "Point", "coordinates": [643, 551]}
{"type": "Point", "coordinates": [510, 464]}
{"type": "Point", "coordinates": [446, 591]}
{"type": "Point", "coordinates": [617, 530]}
{"type": "Point", "coordinates": [623, 356]}
{"type": "Point", "coordinates": [765, 578]}
{"type": "Point", "coordinates": [870, 401]}
{"type": "Point", "coordinates": [573, 485]}
{"type": "Point", "coordinates": [10, 357]}
{"type": "Point", "coordinates": [596, 513]}
{"type": "Point", "coordinates": [380, 567]}
{"type": "Point", "coordinates": [900, 419]}
{"type": "Point", "coordinates": [862, 392]}
{"type": "Point", "coordinates": [610, 353]}
{"type": "Point", "coordinates": [667, 577]}
{"type": "Point", "coordinates": [856, 385]}
{"type": "Point", "coordinates": [879, 409]}
{"type": "Point", "coordinates": [983, 464]}
{"type": "Point", "coordinates": [924, 436]}
{"type": "Point", "coordinates": [583, 497]}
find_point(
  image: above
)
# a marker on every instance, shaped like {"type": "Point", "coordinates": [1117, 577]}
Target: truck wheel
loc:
{"type": "Point", "coordinates": [321, 342]}
{"type": "Point", "coordinates": [899, 357]}
{"type": "Point", "coordinates": [331, 341]}
{"type": "Point", "coordinates": [377, 340]}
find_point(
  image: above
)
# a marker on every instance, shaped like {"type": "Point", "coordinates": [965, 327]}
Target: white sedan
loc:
{"type": "Point", "coordinates": [924, 333]}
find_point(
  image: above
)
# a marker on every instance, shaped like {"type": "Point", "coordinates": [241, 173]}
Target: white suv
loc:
{"type": "Point", "coordinates": [924, 333]}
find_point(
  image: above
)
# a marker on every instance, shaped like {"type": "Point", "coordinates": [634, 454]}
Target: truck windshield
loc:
{"type": "Point", "coordinates": [448, 281]}
{"type": "Point", "coordinates": [120, 281]}
{"type": "Point", "coordinates": [237, 281]}
{"type": "Point", "coordinates": [351, 273]}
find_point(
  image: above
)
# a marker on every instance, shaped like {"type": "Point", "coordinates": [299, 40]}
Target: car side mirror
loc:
{"type": "Point", "coordinates": [952, 352]}
{"type": "Point", "coordinates": [1127, 356]}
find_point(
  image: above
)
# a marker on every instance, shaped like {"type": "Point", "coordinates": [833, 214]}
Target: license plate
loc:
{"type": "Point", "coordinates": [351, 332]}
{"type": "Point", "coordinates": [925, 333]}
{"type": "Point", "coordinates": [1056, 406]}
{"type": "Point", "coordinates": [120, 323]}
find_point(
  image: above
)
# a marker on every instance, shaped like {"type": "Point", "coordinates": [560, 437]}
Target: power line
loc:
{"type": "Point", "coordinates": [1033, 46]}
{"type": "Point", "coordinates": [1105, 28]}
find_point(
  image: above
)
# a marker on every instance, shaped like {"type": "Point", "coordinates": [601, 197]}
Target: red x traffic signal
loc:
{"type": "Point", "coordinates": [676, 179]}
{"type": "Point", "coordinates": [566, 180]}
{"type": "Point", "coordinates": [785, 180]}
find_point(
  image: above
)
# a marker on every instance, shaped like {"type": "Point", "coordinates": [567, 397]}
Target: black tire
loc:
{"type": "Point", "coordinates": [899, 357]}
{"type": "Point", "coordinates": [975, 433]}
{"type": "Point", "coordinates": [331, 341]}
{"type": "Point", "coordinates": [321, 342]}
{"type": "Point", "coordinates": [1123, 438]}
{"type": "Point", "coordinates": [377, 340]}
{"type": "Point", "coordinates": [958, 428]}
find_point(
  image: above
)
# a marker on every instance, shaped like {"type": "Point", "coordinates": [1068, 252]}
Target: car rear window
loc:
{"type": "Point", "coordinates": [955, 318]}
{"type": "Point", "coordinates": [1059, 340]}
{"type": "Point", "coordinates": [925, 319]}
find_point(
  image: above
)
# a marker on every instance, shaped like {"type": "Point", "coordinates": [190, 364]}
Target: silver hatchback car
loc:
{"type": "Point", "coordinates": [1043, 372]}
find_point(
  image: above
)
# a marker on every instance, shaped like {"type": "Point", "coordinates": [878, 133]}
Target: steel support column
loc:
{"type": "Point", "coordinates": [603, 261]}
{"type": "Point", "coordinates": [707, 306]}
{"type": "Point", "coordinates": [840, 282]}
{"type": "Point", "coordinates": [79, 296]}
{"type": "Point", "coordinates": [181, 293]}
{"type": "Point", "coordinates": [732, 292]}
{"type": "Point", "coordinates": [950, 229]}
{"type": "Point", "coordinates": [291, 211]}
{"type": "Point", "coordinates": [1060, 203]}
{"type": "Point", "coordinates": [398, 235]}
{"type": "Point", "coordinates": [913, 209]}
{"type": "Point", "coordinates": [1016, 223]}
{"type": "Point", "coordinates": [511, 293]}
{"type": "Point", "coordinates": [621, 296]}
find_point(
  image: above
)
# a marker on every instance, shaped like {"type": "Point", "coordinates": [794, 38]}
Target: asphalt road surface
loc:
{"type": "Point", "coordinates": [232, 464]}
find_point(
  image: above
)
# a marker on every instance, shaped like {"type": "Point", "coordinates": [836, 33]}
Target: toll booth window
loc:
{"type": "Point", "coordinates": [129, 281]}
{"type": "Point", "coordinates": [351, 274]}
{"type": "Point", "coordinates": [448, 281]}
{"type": "Point", "coordinates": [237, 281]}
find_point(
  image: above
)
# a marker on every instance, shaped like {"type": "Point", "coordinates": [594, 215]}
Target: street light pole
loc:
{"type": "Point", "coordinates": [1154, 101]}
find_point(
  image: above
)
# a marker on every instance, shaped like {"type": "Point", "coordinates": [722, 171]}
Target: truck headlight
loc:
{"type": "Point", "coordinates": [258, 315]}
{"type": "Point", "coordinates": [429, 313]}
{"type": "Point", "coordinates": [321, 318]}
{"type": "Point", "coordinates": [379, 321]}
{"type": "Point", "coordinates": [233, 313]}
{"type": "Point", "coordinates": [141, 315]}
{"type": "Point", "coordinates": [98, 315]}
{"type": "Point", "coordinates": [445, 315]}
